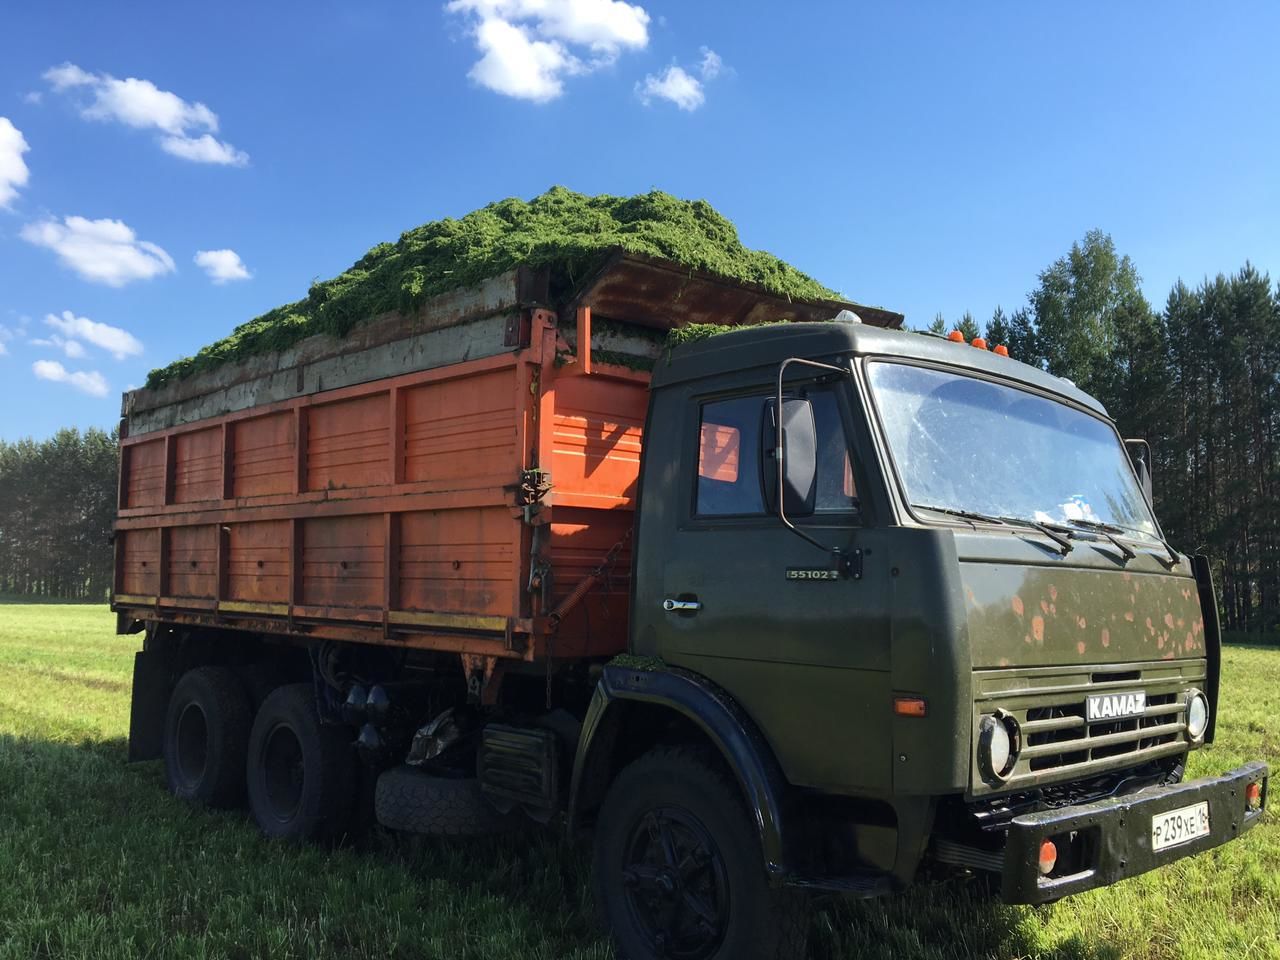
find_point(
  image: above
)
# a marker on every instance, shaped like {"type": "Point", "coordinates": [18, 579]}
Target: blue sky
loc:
{"type": "Point", "coordinates": [926, 157]}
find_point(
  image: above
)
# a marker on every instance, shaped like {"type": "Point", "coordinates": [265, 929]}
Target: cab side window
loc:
{"type": "Point", "coordinates": [729, 459]}
{"type": "Point", "coordinates": [730, 445]}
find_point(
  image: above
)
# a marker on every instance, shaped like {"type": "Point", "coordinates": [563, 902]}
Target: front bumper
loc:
{"type": "Point", "coordinates": [1109, 840]}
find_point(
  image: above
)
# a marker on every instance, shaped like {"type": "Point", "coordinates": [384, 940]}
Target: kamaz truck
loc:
{"type": "Point", "coordinates": [794, 607]}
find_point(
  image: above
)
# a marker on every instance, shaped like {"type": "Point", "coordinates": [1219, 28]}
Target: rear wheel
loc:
{"type": "Point", "coordinates": [678, 869]}
{"type": "Point", "coordinates": [302, 774]}
{"type": "Point", "coordinates": [206, 736]}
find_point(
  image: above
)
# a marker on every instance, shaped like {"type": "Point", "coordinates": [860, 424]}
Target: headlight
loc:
{"type": "Point", "coordinates": [998, 745]}
{"type": "Point", "coordinates": [1197, 715]}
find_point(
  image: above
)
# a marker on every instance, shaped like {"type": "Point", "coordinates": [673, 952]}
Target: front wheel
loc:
{"type": "Point", "coordinates": [678, 867]}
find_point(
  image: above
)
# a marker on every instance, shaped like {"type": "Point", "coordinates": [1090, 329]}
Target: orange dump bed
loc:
{"type": "Point", "coordinates": [454, 481]}
{"type": "Point", "coordinates": [395, 510]}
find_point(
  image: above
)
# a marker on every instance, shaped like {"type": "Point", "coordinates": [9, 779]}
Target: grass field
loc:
{"type": "Point", "coordinates": [96, 861]}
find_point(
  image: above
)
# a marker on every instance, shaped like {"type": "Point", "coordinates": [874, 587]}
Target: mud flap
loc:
{"type": "Point", "coordinates": [152, 685]}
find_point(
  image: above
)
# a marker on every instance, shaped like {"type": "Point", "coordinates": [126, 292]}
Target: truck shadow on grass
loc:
{"type": "Point", "coordinates": [100, 861]}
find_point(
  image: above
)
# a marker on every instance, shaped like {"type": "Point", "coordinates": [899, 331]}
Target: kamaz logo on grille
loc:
{"type": "Point", "coordinates": [1109, 706]}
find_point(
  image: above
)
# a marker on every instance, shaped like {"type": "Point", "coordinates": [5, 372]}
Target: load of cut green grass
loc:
{"type": "Point", "coordinates": [566, 231]}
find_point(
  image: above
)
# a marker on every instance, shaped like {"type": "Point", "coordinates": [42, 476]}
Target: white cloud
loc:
{"type": "Point", "coordinates": [679, 85]}
{"type": "Point", "coordinates": [672, 84]}
{"type": "Point", "coordinates": [33, 97]}
{"type": "Point", "coordinates": [13, 169]}
{"type": "Point", "coordinates": [205, 149]}
{"type": "Point", "coordinates": [68, 75]}
{"type": "Point", "coordinates": [72, 348]}
{"type": "Point", "coordinates": [189, 127]}
{"type": "Point", "coordinates": [222, 266]}
{"type": "Point", "coordinates": [527, 47]}
{"type": "Point", "coordinates": [101, 251]}
{"type": "Point", "coordinates": [117, 342]}
{"type": "Point", "coordinates": [88, 381]}
{"type": "Point", "coordinates": [711, 64]}
{"type": "Point", "coordinates": [515, 64]}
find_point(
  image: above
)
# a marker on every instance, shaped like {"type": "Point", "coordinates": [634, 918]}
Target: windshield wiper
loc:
{"type": "Point", "coordinates": [1059, 535]}
{"type": "Point", "coordinates": [1170, 560]}
{"type": "Point", "coordinates": [1056, 535]}
{"type": "Point", "coordinates": [1108, 530]}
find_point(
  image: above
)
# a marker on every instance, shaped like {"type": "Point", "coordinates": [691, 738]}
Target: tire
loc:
{"type": "Point", "coordinates": [678, 868]}
{"type": "Point", "coordinates": [301, 774]}
{"type": "Point", "coordinates": [206, 737]}
{"type": "Point", "coordinates": [416, 802]}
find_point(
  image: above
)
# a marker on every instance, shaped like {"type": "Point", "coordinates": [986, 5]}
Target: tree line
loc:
{"type": "Point", "coordinates": [1198, 378]}
{"type": "Point", "coordinates": [57, 501]}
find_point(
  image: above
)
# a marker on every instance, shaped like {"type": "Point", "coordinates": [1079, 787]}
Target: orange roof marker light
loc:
{"type": "Point", "coordinates": [1001, 350]}
{"type": "Point", "coordinates": [955, 336]}
{"type": "Point", "coordinates": [979, 343]}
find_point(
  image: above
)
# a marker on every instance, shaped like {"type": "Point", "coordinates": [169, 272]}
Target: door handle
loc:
{"type": "Point", "coordinates": [681, 606]}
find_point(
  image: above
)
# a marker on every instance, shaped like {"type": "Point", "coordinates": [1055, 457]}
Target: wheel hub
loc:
{"type": "Point", "coordinates": [676, 884]}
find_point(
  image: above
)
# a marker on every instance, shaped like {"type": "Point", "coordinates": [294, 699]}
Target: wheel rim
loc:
{"type": "Point", "coordinates": [676, 885]}
{"type": "Point", "coordinates": [193, 744]}
{"type": "Point", "coordinates": [283, 771]}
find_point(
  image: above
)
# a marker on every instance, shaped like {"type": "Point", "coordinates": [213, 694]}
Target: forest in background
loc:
{"type": "Point", "coordinates": [57, 501]}
{"type": "Point", "coordinates": [1199, 378]}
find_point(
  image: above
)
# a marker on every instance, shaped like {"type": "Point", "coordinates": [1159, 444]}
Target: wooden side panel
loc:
{"type": "Point", "coordinates": [343, 561]}
{"type": "Point", "coordinates": [262, 455]}
{"type": "Point", "coordinates": [258, 561]}
{"type": "Point", "coordinates": [461, 432]}
{"type": "Point", "coordinates": [145, 474]}
{"type": "Point", "coordinates": [347, 443]}
{"type": "Point", "coordinates": [192, 560]}
{"type": "Point", "coordinates": [197, 466]}
{"type": "Point", "coordinates": [140, 562]}
{"type": "Point", "coordinates": [596, 452]}
{"type": "Point", "coordinates": [457, 561]}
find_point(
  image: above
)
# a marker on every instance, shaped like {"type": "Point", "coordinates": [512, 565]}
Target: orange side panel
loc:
{"type": "Point", "coordinates": [580, 539]}
{"type": "Point", "coordinates": [598, 427]}
{"type": "Point", "coordinates": [461, 432]}
{"type": "Point", "coordinates": [343, 561]}
{"type": "Point", "coordinates": [192, 560]}
{"type": "Point", "coordinates": [457, 561]}
{"type": "Point", "coordinates": [262, 461]}
{"type": "Point", "coordinates": [258, 561]}
{"type": "Point", "coordinates": [140, 561]}
{"type": "Point", "coordinates": [347, 443]}
{"type": "Point", "coordinates": [197, 466]}
{"type": "Point", "coordinates": [145, 473]}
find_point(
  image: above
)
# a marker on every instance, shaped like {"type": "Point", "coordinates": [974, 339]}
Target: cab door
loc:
{"type": "Point", "coordinates": [799, 642]}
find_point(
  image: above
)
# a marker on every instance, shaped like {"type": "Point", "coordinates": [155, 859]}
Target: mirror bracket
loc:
{"type": "Point", "coordinates": [850, 561]}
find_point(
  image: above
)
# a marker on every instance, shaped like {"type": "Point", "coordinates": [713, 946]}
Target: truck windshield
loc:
{"type": "Point", "coordinates": [965, 444]}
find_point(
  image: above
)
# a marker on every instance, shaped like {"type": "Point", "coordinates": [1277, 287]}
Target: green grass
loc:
{"type": "Point", "coordinates": [96, 861]}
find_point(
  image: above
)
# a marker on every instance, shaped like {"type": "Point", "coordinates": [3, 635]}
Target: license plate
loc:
{"type": "Point", "coordinates": [1179, 826]}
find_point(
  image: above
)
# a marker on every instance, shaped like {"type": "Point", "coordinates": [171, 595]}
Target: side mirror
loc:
{"type": "Point", "coordinates": [799, 457]}
{"type": "Point", "coordinates": [1140, 457]}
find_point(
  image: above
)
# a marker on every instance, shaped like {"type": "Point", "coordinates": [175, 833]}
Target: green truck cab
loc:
{"type": "Point", "coordinates": [958, 640]}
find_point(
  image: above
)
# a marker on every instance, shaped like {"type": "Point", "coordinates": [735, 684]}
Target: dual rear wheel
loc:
{"type": "Point", "coordinates": [297, 774]}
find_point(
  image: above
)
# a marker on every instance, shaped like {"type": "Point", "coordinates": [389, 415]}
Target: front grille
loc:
{"type": "Point", "coordinates": [1059, 741]}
